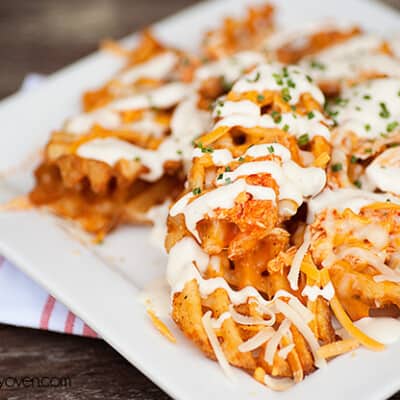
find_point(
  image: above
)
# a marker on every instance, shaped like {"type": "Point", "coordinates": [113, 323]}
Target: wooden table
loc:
{"type": "Point", "coordinates": [43, 36]}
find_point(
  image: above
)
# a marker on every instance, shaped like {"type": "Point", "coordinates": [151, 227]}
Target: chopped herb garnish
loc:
{"type": "Point", "coordinates": [220, 176]}
{"type": "Point", "coordinates": [309, 78]}
{"type": "Point", "coordinates": [367, 97]}
{"type": "Point", "coordinates": [241, 159]}
{"type": "Point", "coordinates": [228, 181]}
{"type": "Point", "coordinates": [336, 167]}
{"type": "Point", "coordinates": [196, 191]}
{"type": "Point", "coordinates": [353, 159]}
{"type": "Point", "coordinates": [286, 127]}
{"type": "Point", "coordinates": [285, 72]}
{"type": "Point", "coordinates": [228, 169]}
{"type": "Point", "coordinates": [392, 126]}
{"type": "Point", "coordinates": [293, 107]}
{"type": "Point", "coordinates": [204, 149]}
{"type": "Point", "coordinates": [384, 113]}
{"type": "Point", "coordinates": [278, 79]}
{"type": "Point", "coordinates": [137, 158]}
{"type": "Point", "coordinates": [255, 79]}
{"type": "Point", "coordinates": [226, 86]}
{"type": "Point", "coordinates": [260, 98]}
{"type": "Point", "coordinates": [276, 117]}
{"type": "Point", "coordinates": [357, 183]}
{"type": "Point", "coordinates": [310, 115]}
{"type": "Point", "coordinates": [358, 108]}
{"type": "Point", "coordinates": [291, 84]}
{"type": "Point", "coordinates": [271, 149]}
{"type": "Point", "coordinates": [369, 150]}
{"type": "Point", "coordinates": [317, 65]}
{"type": "Point", "coordinates": [367, 127]}
{"type": "Point", "coordinates": [393, 144]}
{"type": "Point", "coordinates": [286, 95]}
{"type": "Point", "coordinates": [179, 152]}
{"type": "Point", "coordinates": [303, 139]}
{"type": "Point", "coordinates": [384, 135]}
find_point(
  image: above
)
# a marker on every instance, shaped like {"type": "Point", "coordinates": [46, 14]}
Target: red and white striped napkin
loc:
{"type": "Point", "coordinates": [23, 302]}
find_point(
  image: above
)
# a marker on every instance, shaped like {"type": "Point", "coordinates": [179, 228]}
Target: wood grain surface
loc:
{"type": "Point", "coordinates": [43, 36]}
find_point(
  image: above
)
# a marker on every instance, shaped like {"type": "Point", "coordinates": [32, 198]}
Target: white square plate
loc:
{"type": "Point", "coordinates": [101, 284]}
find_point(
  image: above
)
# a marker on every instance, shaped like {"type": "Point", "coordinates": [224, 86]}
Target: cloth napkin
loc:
{"type": "Point", "coordinates": [23, 302]}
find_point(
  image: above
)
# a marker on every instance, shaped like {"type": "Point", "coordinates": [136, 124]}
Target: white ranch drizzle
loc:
{"type": "Point", "coordinates": [277, 77]}
{"type": "Point", "coordinates": [349, 59]}
{"type": "Point", "coordinates": [158, 67]}
{"type": "Point", "coordinates": [384, 172]}
{"type": "Point", "coordinates": [385, 330]}
{"type": "Point", "coordinates": [312, 292]}
{"type": "Point", "coordinates": [341, 199]}
{"type": "Point", "coordinates": [229, 68]}
{"type": "Point", "coordinates": [110, 150]}
{"type": "Point", "coordinates": [294, 182]}
{"type": "Point", "coordinates": [221, 197]}
{"type": "Point", "coordinates": [313, 125]}
{"type": "Point", "coordinates": [108, 117]}
{"type": "Point", "coordinates": [187, 122]}
{"type": "Point", "coordinates": [181, 269]}
{"type": "Point", "coordinates": [371, 109]}
{"type": "Point", "coordinates": [297, 36]}
{"type": "Point", "coordinates": [163, 97]}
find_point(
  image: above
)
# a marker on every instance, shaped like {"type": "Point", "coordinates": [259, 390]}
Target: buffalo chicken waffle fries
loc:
{"type": "Point", "coordinates": [259, 281]}
{"type": "Point", "coordinates": [277, 150]}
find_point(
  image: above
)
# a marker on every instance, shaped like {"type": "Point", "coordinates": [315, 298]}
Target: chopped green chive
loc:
{"type": "Point", "coordinates": [241, 159]}
{"type": "Point", "coordinates": [353, 159]}
{"type": "Point", "coordinates": [303, 139]}
{"type": "Point", "coordinates": [278, 79]}
{"type": "Point", "coordinates": [227, 169]}
{"type": "Point", "coordinates": [137, 159]}
{"type": "Point", "coordinates": [392, 126]}
{"type": "Point", "coordinates": [310, 115]}
{"type": "Point", "coordinates": [255, 79]}
{"type": "Point", "coordinates": [228, 181]}
{"type": "Point", "coordinates": [276, 117]}
{"type": "Point", "coordinates": [367, 97]}
{"type": "Point", "coordinates": [317, 65]}
{"type": "Point", "coordinates": [260, 98]}
{"type": "Point", "coordinates": [286, 95]}
{"type": "Point", "coordinates": [285, 127]}
{"type": "Point", "coordinates": [220, 176]}
{"type": "Point", "coordinates": [367, 127]}
{"type": "Point", "coordinates": [368, 151]}
{"type": "Point", "coordinates": [271, 149]}
{"type": "Point", "coordinates": [309, 78]}
{"type": "Point", "coordinates": [179, 152]}
{"type": "Point", "coordinates": [336, 167]}
{"type": "Point", "coordinates": [291, 84]}
{"type": "Point", "coordinates": [384, 113]}
{"type": "Point", "coordinates": [196, 191]}
{"type": "Point", "coordinates": [357, 183]}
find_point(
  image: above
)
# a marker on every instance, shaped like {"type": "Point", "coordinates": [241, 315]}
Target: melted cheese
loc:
{"type": "Point", "coordinates": [341, 199]}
